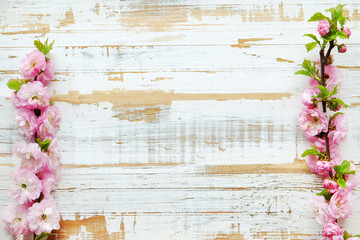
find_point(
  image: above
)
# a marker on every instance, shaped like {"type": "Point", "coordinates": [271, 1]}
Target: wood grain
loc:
{"type": "Point", "coordinates": [179, 117]}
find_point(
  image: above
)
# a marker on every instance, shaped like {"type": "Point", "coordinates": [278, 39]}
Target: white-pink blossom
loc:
{"type": "Point", "coordinates": [34, 95]}
{"type": "Point", "coordinates": [323, 168]}
{"type": "Point", "coordinates": [322, 209]}
{"type": "Point", "coordinates": [26, 187]}
{"type": "Point", "coordinates": [15, 219]}
{"type": "Point", "coordinates": [47, 75]}
{"type": "Point", "coordinates": [340, 204]}
{"type": "Point", "coordinates": [44, 216]}
{"type": "Point", "coordinates": [338, 126]}
{"type": "Point", "coordinates": [313, 122]}
{"type": "Point", "coordinates": [32, 64]}
{"type": "Point", "coordinates": [27, 122]}
{"type": "Point", "coordinates": [48, 122]}
{"type": "Point", "coordinates": [307, 98]}
{"type": "Point", "coordinates": [332, 231]}
{"type": "Point", "coordinates": [31, 155]}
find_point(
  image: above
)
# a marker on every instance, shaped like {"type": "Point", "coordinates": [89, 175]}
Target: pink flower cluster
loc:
{"type": "Point", "coordinates": [336, 201]}
{"type": "Point", "coordinates": [38, 120]}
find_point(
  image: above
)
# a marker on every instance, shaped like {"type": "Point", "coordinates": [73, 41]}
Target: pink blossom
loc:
{"type": "Point", "coordinates": [44, 217]}
{"type": "Point", "coordinates": [27, 122]}
{"type": "Point", "coordinates": [32, 64]}
{"type": "Point", "coordinates": [34, 95]}
{"type": "Point", "coordinates": [15, 99]}
{"type": "Point", "coordinates": [48, 122]}
{"type": "Point", "coordinates": [342, 48]}
{"type": "Point", "coordinates": [347, 31]}
{"type": "Point", "coordinates": [54, 155]}
{"type": "Point", "coordinates": [335, 154]}
{"type": "Point", "coordinates": [330, 185]}
{"type": "Point", "coordinates": [322, 208]}
{"type": "Point", "coordinates": [332, 231]}
{"type": "Point", "coordinates": [306, 98]}
{"type": "Point", "coordinates": [48, 183]}
{"type": "Point", "coordinates": [27, 186]}
{"type": "Point", "coordinates": [323, 27]}
{"type": "Point", "coordinates": [15, 219]}
{"type": "Point", "coordinates": [339, 129]}
{"type": "Point", "coordinates": [340, 204]}
{"type": "Point", "coordinates": [313, 122]}
{"type": "Point", "coordinates": [335, 77]}
{"type": "Point", "coordinates": [352, 180]}
{"type": "Point", "coordinates": [31, 155]}
{"type": "Point", "coordinates": [323, 168]}
{"type": "Point", "coordinates": [311, 161]}
{"type": "Point", "coordinates": [47, 75]}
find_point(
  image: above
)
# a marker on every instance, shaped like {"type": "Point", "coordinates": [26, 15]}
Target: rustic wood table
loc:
{"type": "Point", "coordinates": [179, 117]}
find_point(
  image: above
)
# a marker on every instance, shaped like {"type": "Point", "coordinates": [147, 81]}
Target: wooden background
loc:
{"type": "Point", "coordinates": [179, 117]}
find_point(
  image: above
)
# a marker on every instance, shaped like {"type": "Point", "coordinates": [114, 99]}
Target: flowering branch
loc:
{"type": "Point", "coordinates": [38, 175]}
{"type": "Point", "coordinates": [325, 132]}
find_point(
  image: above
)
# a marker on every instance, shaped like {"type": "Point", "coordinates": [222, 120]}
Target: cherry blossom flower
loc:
{"type": "Point", "coordinates": [323, 168]}
{"type": "Point", "coordinates": [322, 209]}
{"type": "Point", "coordinates": [339, 129]}
{"type": "Point", "coordinates": [27, 122]}
{"type": "Point", "coordinates": [34, 95]}
{"type": "Point", "coordinates": [340, 204]}
{"type": "Point", "coordinates": [323, 27]}
{"type": "Point", "coordinates": [31, 155]}
{"type": "Point", "coordinates": [48, 122]}
{"type": "Point", "coordinates": [32, 64]}
{"type": "Point", "coordinates": [47, 75]}
{"type": "Point", "coordinates": [332, 231]}
{"type": "Point", "coordinates": [330, 185]}
{"type": "Point", "coordinates": [27, 186]}
{"type": "Point", "coordinates": [15, 219]}
{"type": "Point", "coordinates": [44, 217]}
{"type": "Point", "coordinates": [306, 98]}
{"type": "Point", "coordinates": [313, 122]}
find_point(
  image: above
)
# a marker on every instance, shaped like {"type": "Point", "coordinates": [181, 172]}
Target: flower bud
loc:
{"type": "Point", "coordinates": [347, 31]}
{"type": "Point", "coordinates": [342, 48]}
{"type": "Point", "coordinates": [323, 27]}
{"type": "Point", "coordinates": [330, 185]}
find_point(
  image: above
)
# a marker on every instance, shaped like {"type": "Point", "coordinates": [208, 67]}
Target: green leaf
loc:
{"type": "Point", "coordinates": [39, 45]}
{"type": "Point", "coordinates": [346, 235]}
{"type": "Point", "coordinates": [356, 235]}
{"type": "Point", "coordinates": [325, 193]}
{"type": "Point", "coordinates": [42, 235]}
{"type": "Point", "coordinates": [310, 46]}
{"type": "Point", "coordinates": [342, 35]}
{"type": "Point", "coordinates": [325, 92]}
{"type": "Point", "coordinates": [313, 37]}
{"type": "Point", "coordinates": [342, 20]}
{"type": "Point", "coordinates": [317, 17]}
{"type": "Point", "coordinates": [15, 84]}
{"type": "Point", "coordinates": [341, 183]}
{"type": "Point", "coordinates": [313, 151]}
{"type": "Point", "coordinates": [333, 92]}
{"type": "Point", "coordinates": [45, 144]}
{"type": "Point", "coordinates": [303, 72]}
{"type": "Point", "coordinates": [337, 168]}
{"type": "Point", "coordinates": [307, 65]}
{"type": "Point", "coordinates": [333, 13]}
{"type": "Point", "coordinates": [345, 167]}
{"type": "Point", "coordinates": [338, 101]}
{"type": "Point", "coordinates": [351, 172]}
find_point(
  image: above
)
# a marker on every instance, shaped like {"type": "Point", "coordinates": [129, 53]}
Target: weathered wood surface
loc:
{"type": "Point", "coordinates": [179, 117]}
